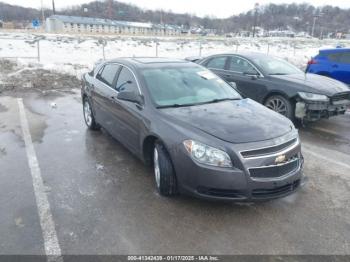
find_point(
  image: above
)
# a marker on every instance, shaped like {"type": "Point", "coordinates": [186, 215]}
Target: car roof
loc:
{"type": "Point", "coordinates": [244, 54]}
{"type": "Point", "coordinates": [334, 50]}
{"type": "Point", "coordinates": [145, 62]}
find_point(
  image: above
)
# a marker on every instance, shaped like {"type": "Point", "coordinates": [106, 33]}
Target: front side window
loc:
{"type": "Point", "coordinates": [180, 86]}
{"type": "Point", "coordinates": [217, 62]}
{"type": "Point", "coordinates": [108, 74]}
{"type": "Point", "coordinates": [126, 81]}
{"type": "Point", "coordinates": [240, 65]}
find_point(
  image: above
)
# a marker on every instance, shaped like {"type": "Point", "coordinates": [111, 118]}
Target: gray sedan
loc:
{"type": "Point", "coordinates": [195, 130]}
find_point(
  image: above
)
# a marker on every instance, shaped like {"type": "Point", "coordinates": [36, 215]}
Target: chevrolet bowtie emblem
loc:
{"type": "Point", "coordinates": [280, 159]}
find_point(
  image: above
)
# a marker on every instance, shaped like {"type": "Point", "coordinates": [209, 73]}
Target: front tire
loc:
{"type": "Point", "coordinates": [164, 172]}
{"type": "Point", "coordinates": [281, 105]}
{"type": "Point", "coordinates": [89, 115]}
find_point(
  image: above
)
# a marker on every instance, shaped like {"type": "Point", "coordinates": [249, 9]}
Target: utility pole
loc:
{"type": "Point", "coordinates": [256, 9]}
{"type": "Point", "coordinates": [313, 26]}
{"type": "Point", "coordinates": [53, 7]}
{"type": "Point", "coordinates": [316, 16]}
{"type": "Point", "coordinates": [42, 13]}
{"type": "Point", "coordinates": [110, 9]}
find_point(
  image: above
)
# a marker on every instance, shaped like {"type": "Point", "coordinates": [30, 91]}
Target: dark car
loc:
{"type": "Point", "coordinates": [196, 131]}
{"type": "Point", "coordinates": [334, 63]}
{"type": "Point", "coordinates": [281, 86]}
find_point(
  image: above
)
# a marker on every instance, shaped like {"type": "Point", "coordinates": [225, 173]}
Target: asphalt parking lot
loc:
{"type": "Point", "coordinates": [102, 200]}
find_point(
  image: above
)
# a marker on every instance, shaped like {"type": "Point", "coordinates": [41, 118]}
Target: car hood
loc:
{"type": "Point", "coordinates": [314, 83]}
{"type": "Point", "coordinates": [238, 121]}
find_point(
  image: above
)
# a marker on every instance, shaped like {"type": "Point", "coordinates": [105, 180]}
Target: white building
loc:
{"type": "Point", "coordinates": [76, 24]}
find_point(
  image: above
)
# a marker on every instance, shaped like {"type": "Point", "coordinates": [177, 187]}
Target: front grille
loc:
{"type": "Point", "coordinates": [274, 171]}
{"type": "Point", "coordinates": [268, 150]}
{"type": "Point", "coordinates": [340, 97]}
{"type": "Point", "coordinates": [219, 192]}
{"type": "Point", "coordinates": [275, 192]}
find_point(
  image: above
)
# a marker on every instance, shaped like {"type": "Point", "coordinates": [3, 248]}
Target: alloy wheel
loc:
{"type": "Point", "coordinates": [156, 167]}
{"type": "Point", "coordinates": [277, 105]}
{"type": "Point", "coordinates": [87, 113]}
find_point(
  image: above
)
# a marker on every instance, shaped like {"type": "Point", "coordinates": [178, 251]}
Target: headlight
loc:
{"type": "Point", "coordinates": [313, 97]}
{"type": "Point", "coordinates": [207, 155]}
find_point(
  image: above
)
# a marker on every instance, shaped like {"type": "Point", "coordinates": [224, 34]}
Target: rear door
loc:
{"type": "Point", "coordinates": [248, 80]}
{"type": "Point", "coordinates": [340, 66]}
{"type": "Point", "coordinates": [101, 93]}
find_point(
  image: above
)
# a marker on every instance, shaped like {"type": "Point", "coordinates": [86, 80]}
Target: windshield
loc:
{"type": "Point", "coordinates": [275, 66]}
{"type": "Point", "coordinates": [181, 86]}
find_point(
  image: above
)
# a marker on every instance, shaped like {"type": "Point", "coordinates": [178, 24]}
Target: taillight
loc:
{"type": "Point", "coordinates": [312, 62]}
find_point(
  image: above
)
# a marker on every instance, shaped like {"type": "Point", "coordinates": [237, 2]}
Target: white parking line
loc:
{"type": "Point", "coordinates": [328, 156]}
{"type": "Point", "coordinates": [325, 130]}
{"type": "Point", "coordinates": [52, 247]}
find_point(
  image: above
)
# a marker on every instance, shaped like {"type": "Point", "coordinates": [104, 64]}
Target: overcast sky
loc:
{"type": "Point", "coordinates": [218, 8]}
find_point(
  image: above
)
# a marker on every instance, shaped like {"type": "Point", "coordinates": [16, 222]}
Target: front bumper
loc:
{"type": "Point", "coordinates": [313, 111]}
{"type": "Point", "coordinates": [238, 183]}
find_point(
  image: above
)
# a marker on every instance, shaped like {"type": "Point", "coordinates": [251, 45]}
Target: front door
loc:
{"type": "Point", "coordinates": [246, 78]}
{"type": "Point", "coordinates": [127, 114]}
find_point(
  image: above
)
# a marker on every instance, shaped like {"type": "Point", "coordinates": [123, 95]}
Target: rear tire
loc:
{"type": "Point", "coordinates": [89, 115]}
{"type": "Point", "coordinates": [281, 105]}
{"type": "Point", "coordinates": [164, 172]}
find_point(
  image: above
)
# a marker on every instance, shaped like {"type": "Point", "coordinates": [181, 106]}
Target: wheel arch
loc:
{"type": "Point", "coordinates": [324, 73]}
{"type": "Point", "coordinates": [277, 92]}
{"type": "Point", "coordinates": [147, 147]}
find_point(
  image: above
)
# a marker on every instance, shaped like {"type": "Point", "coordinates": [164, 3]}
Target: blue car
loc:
{"type": "Point", "coordinates": [334, 63]}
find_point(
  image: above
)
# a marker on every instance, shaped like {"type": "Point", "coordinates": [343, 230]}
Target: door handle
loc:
{"type": "Point", "coordinates": [114, 99]}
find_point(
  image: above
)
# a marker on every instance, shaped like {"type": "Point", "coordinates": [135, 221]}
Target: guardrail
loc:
{"type": "Point", "coordinates": [105, 47]}
{"type": "Point", "coordinates": [37, 41]}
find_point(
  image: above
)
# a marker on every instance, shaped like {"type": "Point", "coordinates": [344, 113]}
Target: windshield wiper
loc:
{"type": "Point", "coordinates": [175, 105]}
{"type": "Point", "coordinates": [278, 74]}
{"type": "Point", "coordinates": [216, 100]}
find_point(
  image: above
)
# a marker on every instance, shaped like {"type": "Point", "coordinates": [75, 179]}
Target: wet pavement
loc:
{"type": "Point", "coordinates": [103, 199]}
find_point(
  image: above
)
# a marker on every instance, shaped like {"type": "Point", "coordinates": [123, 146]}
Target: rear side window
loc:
{"type": "Point", "coordinates": [126, 81]}
{"type": "Point", "coordinates": [334, 57]}
{"type": "Point", "coordinates": [217, 62]}
{"type": "Point", "coordinates": [343, 57]}
{"type": "Point", "coordinates": [108, 73]}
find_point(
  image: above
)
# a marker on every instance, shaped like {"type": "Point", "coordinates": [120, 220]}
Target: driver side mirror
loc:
{"type": "Point", "coordinates": [131, 97]}
{"type": "Point", "coordinates": [121, 87]}
{"type": "Point", "coordinates": [252, 73]}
